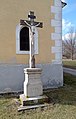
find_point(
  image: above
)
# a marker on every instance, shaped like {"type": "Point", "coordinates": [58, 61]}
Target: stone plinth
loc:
{"type": "Point", "coordinates": [32, 84]}
{"type": "Point", "coordinates": [33, 100]}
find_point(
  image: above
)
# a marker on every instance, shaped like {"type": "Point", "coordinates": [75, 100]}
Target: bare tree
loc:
{"type": "Point", "coordinates": [69, 44]}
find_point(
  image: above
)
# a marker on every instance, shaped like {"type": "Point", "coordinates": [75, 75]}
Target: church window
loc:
{"type": "Point", "coordinates": [22, 40]}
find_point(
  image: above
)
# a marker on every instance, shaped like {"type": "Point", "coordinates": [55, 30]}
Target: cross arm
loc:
{"type": "Point", "coordinates": [28, 23]}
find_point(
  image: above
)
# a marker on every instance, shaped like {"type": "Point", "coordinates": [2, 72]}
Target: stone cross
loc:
{"type": "Point", "coordinates": [31, 24]}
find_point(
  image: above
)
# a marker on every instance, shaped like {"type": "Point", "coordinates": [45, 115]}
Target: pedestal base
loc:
{"type": "Point", "coordinates": [33, 102]}
{"type": "Point", "coordinates": [32, 84]}
{"type": "Point", "coordinates": [33, 90]}
{"type": "Point", "coordinates": [21, 108]}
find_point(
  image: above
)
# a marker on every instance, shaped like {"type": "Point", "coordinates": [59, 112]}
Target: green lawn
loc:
{"type": "Point", "coordinates": [62, 104]}
{"type": "Point", "coordinates": [70, 64]}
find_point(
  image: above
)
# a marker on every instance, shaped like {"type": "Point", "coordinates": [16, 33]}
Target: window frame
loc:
{"type": "Point", "coordinates": [18, 51]}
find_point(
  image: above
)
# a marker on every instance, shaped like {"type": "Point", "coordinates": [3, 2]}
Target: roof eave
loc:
{"type": "Point", "coordinates": [64, 4]}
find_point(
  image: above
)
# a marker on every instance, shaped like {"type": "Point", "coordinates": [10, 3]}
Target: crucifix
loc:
{"type": "Point", "coordinates": [32, 25]}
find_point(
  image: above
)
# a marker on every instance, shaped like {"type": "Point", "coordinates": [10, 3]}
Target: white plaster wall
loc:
{"type": "Point", "coordinates": [12, 76]}
{"type": "Point", "coordinates": [52, 75]}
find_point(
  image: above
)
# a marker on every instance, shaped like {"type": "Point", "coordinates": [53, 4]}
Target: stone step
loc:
{"type": "Point", "coordinates": [33, 100]}
{"type": "Point", "coordinates": [21, 108]}
{"type": "Point", "coordinates": [22, 96]}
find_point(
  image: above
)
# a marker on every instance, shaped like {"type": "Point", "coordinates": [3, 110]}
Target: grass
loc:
{"type": "Point", "coordinates": [70, 64]}
{"type": "Point", "coordinates": [62, 104]}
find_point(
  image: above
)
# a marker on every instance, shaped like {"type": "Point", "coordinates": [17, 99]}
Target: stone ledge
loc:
{"type": "Point", "coordinates": [26, 101]}
{"type": "Point", "coordinates": [33, 70]}
{"type": "Point", "coordinates": [21, 108]}
{"type": "Point", "coordinates": [32, 98]}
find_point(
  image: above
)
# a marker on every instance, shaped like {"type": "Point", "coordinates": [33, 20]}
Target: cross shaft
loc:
{"type": "Point", "coordinates": [31, 24]}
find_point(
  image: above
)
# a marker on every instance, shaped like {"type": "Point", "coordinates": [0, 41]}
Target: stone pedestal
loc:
{"type": "Point", "coordinates": [33, 90]}
{"type": "Point", "coordinates": [32, 84]}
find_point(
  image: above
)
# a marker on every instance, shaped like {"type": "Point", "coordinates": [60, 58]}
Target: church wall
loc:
{"type": "Point", "coordinates": [10, 14]}
{"type": "Point", "coordinates": [49, 43]}
{"type": "Point", "coordinates": [12, 76]}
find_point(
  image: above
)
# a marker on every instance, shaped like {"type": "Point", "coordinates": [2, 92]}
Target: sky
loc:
{"type": "Point", "coordinates": [68, 16]}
